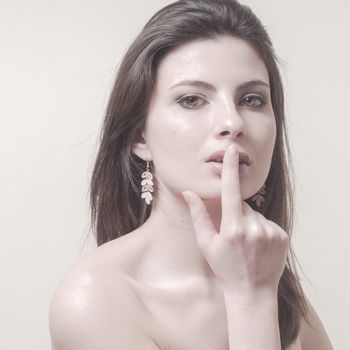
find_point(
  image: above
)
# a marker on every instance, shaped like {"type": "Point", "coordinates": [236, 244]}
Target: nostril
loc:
{"type": "Point", "coordinates": [225, 133]}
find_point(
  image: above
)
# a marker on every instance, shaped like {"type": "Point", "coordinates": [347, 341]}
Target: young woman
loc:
{"type": "Point", "coordinates": [191, 198]}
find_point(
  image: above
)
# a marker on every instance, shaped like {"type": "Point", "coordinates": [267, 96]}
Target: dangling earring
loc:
{"type": "Point", "coordinates": [147, 185]}
{"type": "Point", "coordinates": [259, 197]}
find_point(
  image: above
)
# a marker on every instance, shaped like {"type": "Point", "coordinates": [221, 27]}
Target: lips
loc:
{"type": "Point", "coordinates": [218, 156]}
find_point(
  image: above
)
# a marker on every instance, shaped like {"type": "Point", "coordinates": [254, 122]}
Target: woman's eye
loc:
{"type": "Point", "coordinates": [253, 101]}
{"type": "Point", "coordinates": [191, 101]}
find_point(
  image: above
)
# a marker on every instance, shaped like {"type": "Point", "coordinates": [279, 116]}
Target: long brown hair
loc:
{"type": "Point", "coordinates": [116, 206]}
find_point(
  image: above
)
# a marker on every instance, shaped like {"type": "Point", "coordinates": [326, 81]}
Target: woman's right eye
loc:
{"type": "Point", "coordinates": [191, 101]}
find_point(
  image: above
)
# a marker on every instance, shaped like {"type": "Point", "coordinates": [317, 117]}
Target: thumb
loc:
{"type": "Point", "coordinates": [202, 224]}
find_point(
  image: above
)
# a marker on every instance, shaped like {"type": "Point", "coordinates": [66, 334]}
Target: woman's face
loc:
{"type": "Point", "coordinates": [209, 94]}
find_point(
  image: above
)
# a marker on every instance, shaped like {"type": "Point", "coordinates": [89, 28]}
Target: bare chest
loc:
{"type": "Point", "coordinates": [192, 329]}
{"type": "Point", "coordinates": [187, 321]}
{"type": "Point", "coordinates": [184, 319]}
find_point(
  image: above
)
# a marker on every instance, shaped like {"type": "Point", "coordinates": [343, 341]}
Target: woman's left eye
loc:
{"type": "Point", "coordinates": [191, 101]}
{"type": "Point", "coordinates": [253, 101]}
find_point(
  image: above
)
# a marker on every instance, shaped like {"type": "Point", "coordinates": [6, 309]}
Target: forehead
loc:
{"type": "Point", "coordinates": [224, 59]}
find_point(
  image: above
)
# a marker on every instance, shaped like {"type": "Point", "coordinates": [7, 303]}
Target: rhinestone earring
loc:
{"type": "Point", "coordinates": [259, 197]}
{"type": "Point", "coordinates": [147, 185]}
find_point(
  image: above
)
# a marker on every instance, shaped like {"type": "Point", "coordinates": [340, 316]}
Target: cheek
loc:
{"type": "Point", "coordinates": [265, 135]}
{"type": "Point", "coordinates": [173, 128]}
{"type": "Point", "coordinates": [263, 140]}
{"type": "Point", "coordinates": [174, 137]}
{"type": "Point", "coordinates": [270, 140]}
{"type": "Point", "coordinates": [272, 135]}
{"type": "Point", "coordinates": [175, 146]}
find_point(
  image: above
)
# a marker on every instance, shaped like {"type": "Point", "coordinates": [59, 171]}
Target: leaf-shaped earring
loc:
{"type": "Point", "coordinates": [147, 185]}
{"type": "Point", "coordinates": [259, 197]}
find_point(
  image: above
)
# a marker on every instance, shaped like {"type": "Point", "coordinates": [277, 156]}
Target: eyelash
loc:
{"type": "Point", "coordinates": [261, 99]}
{"type": "Point", "coordinates": [182, 99]}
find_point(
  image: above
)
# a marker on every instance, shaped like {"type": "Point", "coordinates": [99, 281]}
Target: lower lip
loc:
{"type": "Point", "coordinates": [217, 167]}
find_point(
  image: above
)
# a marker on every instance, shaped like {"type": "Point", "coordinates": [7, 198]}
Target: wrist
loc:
{"type": "Point", "coordinates": [251, 297]}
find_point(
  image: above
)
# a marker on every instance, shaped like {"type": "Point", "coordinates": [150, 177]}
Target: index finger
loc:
{"type": "Point", "coordinates": [231, 200]}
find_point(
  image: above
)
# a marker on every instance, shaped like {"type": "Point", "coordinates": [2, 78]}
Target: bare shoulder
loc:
{"type": "Point", "coordinates": [313, 335]}
{"type": "Point", "coordinates": [94, 307]}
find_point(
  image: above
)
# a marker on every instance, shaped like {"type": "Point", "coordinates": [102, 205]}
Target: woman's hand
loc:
{"type": "Point", "coordinates": [249, 253]}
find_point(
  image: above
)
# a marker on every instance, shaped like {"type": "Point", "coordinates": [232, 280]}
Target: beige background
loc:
{"type": "Point", "coordinates": [57, 64]}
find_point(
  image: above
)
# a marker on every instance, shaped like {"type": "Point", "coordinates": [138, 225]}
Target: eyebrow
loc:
{"type": "Point", "coordinates": [210, 87]}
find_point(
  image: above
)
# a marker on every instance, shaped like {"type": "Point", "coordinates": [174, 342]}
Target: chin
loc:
{"type": "Point", "coordinates": [214, 194]}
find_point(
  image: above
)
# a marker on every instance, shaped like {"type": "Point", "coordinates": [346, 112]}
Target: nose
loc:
{"type": "Point", "coordinates": [228, 122]}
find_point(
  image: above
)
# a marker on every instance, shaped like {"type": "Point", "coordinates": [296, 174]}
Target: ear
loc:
{"type": "Point", "coordinates": [140, 147]}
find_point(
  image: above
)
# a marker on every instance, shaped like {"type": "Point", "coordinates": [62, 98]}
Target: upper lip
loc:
{"type": "Point", "coordinates": [219, 156]}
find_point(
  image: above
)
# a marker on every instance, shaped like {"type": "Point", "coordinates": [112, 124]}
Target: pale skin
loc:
{"type": "Point", "coordinates": [248, 256]}
{"type": "Point", "coordinates": [201, 274]}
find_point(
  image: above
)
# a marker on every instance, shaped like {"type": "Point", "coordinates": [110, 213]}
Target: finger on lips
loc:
{"type": "Point", "coordinates": [231, 191]}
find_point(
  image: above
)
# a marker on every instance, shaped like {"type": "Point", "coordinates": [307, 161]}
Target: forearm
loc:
{"type": "Point", "coordinates": [252, 321]}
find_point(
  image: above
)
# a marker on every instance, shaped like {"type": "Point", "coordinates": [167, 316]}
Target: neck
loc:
{"type": "Point", "coordinates": [173, 251]}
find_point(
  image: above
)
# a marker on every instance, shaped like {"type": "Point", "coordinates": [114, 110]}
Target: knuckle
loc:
{"type": "Point", "coordinates": [256, 229]}
{"type": "Point", "coordinates": [257, 232]}
{"type": "Point", "coordinates": [271, 232]}
{"type": "Point", "coordinates": [237, 233]}
{"type": "Point", "coordinates": [276, 232]}
{"type": "Point", "coordinates": [280, 237]}
{"type": "Point", "coordinates": [285, 238]}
